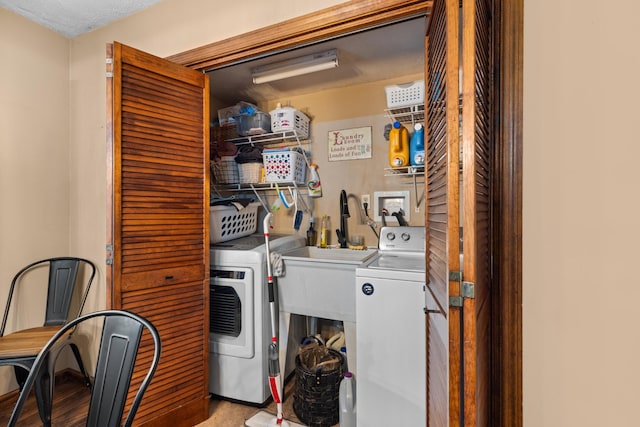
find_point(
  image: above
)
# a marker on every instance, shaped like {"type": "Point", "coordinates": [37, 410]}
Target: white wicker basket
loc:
{"type": "Point", "coordinates": [228, 223]}
{"type": "Point", "coordinates": [405, 94]}
{"type": "Point", "coordinates": [284, 166]}
{"type": "Point", "coordinates": [288, 119]}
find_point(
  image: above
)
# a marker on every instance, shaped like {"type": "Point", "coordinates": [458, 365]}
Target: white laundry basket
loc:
{"type": "Point", "coordinates": [228, 223]}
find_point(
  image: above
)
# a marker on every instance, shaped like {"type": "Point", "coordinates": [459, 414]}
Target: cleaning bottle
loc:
{"type": "Point", "coordinates": [416, 147]}
{"type": "Point", "coordinates": [324, 231]}
{"type": "Point", "coordinates": [398, 146]}
{"type": "Point", "coordinates": [311, 233]}
{"type": "Point", "coordinates": [313, 185]}
{"type": "Point", "coordinates": [347, 401]}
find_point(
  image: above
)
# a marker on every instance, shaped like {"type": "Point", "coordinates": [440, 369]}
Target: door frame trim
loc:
{"type": "Point", "coordinates": [324, 24]}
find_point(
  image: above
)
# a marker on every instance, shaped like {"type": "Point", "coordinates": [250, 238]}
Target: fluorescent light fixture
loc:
{"type": "Point", "coordinates": [295, 67]}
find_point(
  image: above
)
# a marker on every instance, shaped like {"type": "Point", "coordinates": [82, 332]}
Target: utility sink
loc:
{"type": "Point", "coordinates": [320, 282]}
{"type": "Point", "coordinates": [332, 254]}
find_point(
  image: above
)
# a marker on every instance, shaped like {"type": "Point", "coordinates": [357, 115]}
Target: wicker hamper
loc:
{"type": "Point", "coordinates": [316, 393]}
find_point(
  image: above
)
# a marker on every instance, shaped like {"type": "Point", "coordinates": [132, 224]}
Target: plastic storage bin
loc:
{"type": "Point", "coordinates": [256, 124]}
{"type": "Point", "coordinates": [405, 94]}
{"type": "Point", "coordinates": [228, 223]}
{"type": "Point", "coordinates": [284, 166]}
{"type": "Point", "coordinates": [289, 119]}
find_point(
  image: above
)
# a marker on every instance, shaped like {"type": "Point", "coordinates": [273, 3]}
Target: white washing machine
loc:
{"type": "Point", "coordinates": [391, 331]}
{"type": "Point", "coordinates": [240, 328]}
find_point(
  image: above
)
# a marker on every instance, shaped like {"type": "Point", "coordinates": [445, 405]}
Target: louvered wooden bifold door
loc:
{"type": "Point", "coordinates": [443, 215]}
{"type": "Point", "coordinates": [159, 229]}
{"type": "Point", "coordinates": [459, 117]}
{"type": "Point", "coordinates": [477, 149]}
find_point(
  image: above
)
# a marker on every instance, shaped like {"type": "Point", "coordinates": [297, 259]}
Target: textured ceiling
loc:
{"type": "Point", "coordinates": [74, 17]}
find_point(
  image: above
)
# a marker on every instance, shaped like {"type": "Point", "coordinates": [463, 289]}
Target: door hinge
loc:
{"type": "Point", "coordinates": [468, 291]}
{"type": "Point", "coordinates": [455, 276]}
{"type": "Point", "coordinates": [109, 260]}
{"type": "Point", "coordinates": [109, 62]}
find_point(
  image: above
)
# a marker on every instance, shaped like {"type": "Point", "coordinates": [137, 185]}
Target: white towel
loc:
{"type": "Point", "coordinates": [277, 264]}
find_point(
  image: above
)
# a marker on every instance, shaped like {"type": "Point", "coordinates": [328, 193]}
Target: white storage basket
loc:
{"type": "Point", "coordinates": [284, 166]}
{"type": "Point", "coordinates": [288, 119]}
{"type": "Point", "coordinates": [405, 94]}
{"type": "Point", "coordinates": [228, 223]}
{"type": "Point", "coordinates": [249, 173]}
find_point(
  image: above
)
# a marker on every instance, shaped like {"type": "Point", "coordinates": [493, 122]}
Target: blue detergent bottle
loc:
{"type": "Point", "coordinates": [416, 146]}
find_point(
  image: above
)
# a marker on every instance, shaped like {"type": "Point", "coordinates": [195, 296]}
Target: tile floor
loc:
{"type": "Point", "coordinates": [228, 414]}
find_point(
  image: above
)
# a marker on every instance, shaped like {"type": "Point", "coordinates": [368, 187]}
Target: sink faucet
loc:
{"type": "Point", "coordinates": [344, 214]}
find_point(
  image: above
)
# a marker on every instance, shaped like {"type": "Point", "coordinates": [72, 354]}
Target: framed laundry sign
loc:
{"type": "Point", "coordinates": [349, 144]}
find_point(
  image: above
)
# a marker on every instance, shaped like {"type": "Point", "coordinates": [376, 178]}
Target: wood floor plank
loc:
{"type": "Point", "coordinates": [70, 402]}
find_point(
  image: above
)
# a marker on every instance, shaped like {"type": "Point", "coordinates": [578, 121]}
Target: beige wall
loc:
{"type": "Point", "coordinates": [347, 108]}
{"type": "Point", "coordinates": [580, 201]}
{"type": "Point", "coordinates": [581, 233]}
{"type": "Point", "coordinates": [34, 160]}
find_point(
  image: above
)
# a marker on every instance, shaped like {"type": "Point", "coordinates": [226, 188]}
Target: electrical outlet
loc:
{"type": "Point", "coordinates": [365, 199]}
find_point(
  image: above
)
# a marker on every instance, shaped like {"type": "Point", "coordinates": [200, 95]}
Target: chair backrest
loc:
{"type": "Point", "coordinates": [120, 340]}
{"type": "Point", "coordinates": [63, 278]}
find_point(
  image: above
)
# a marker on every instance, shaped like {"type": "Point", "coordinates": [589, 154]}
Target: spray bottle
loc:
{"type": "Point", "coordinates": [398, 146]}
{"type": "Point", "coordinates": [416, 147]}
{"type": "Point", "coordinates": [313, 185]}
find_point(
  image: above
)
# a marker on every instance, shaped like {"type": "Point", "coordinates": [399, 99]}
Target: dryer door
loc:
{"type": "Point", "coordinates": [231, 311]}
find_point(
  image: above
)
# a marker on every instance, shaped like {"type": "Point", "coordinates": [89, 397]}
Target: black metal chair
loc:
{"type": "Point", "coordinates": [20, 348]}
{"type": "Point", "coordinates": [119, 344]}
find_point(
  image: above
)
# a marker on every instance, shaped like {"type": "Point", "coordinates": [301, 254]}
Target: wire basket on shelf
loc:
{"type": "Point", "coordinates": [225, 170]}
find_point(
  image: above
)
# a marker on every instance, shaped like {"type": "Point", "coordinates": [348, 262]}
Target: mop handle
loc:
{"type": "Point", "coordinates": [270, 286]}
{"type": "Point", "coordinates": [266, 224]}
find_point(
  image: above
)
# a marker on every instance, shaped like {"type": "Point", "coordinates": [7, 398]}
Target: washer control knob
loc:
{"type": "Point", "coordinates": [391, 236]}
{"type": "Point", "coordinates": [405, 236]}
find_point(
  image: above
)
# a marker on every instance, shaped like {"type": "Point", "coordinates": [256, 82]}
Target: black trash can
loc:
{"type": "Point", "coordinates": [316, 394]}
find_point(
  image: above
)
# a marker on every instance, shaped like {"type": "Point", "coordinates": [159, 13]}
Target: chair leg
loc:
{"type": "Point", "coordinates": [44, 392]}
{"type": "Point", "coordinates": [83, 371]}
{"type": "Point", "coordinates": [21, 375]}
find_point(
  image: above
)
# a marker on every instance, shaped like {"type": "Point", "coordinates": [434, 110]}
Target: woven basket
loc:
{"type": "Point", "coordinates": [316, 395]}
{"type": "Point", "coordinates": [249, 173]}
